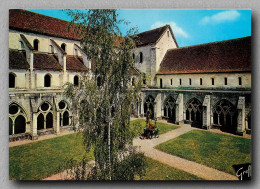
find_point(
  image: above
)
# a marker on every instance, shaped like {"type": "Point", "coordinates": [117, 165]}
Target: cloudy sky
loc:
{"type": "Point", "coordinates": [190, 26]}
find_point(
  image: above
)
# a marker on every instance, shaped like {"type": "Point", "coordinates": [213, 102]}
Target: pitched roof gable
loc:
{"type": "Point", "coordinates": [224, 56]}
{"type": "Point", "coordinates": [152, 36]}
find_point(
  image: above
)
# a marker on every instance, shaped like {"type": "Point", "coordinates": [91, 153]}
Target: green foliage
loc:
{"type": "Point", "coordinates": [41, 159]}
{"type": "Point", "coordinates": [212, 149]}
{"type": "Point", "coordinates": [101, 103]}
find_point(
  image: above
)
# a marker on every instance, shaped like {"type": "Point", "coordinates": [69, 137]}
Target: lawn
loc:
{"type": "Point", "coordinates": [215, 150]}
{"type": "Point", "coordinates": [139, 125]}
{"type": "Point", "coordinates": [41, 159]}
{"type": "Point", "coordinates": [159, 171]}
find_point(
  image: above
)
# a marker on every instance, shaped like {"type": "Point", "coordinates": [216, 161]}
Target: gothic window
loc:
{"type": "Point", "coordinates": [17, 121]}
{"type": "Point", "coordinates": [63, 46]}
{"type": "Point", "coordinates": [134, 57]}
{"type": "Point", "coordinates": [169, 109]}
{"type": "Point", "coordinates": [225, 115]}
{"type": "Point", "coordinates": [45, 117]}
{"type": "Point", "coordinates": [194, 111]}
{"type": "Point", "coordinates": [141, 57]}
{"type": "Point", "coordinates": [49, 120]}
{"type": "Point", "coordinates": [65, 118]}
{"type": "Point", "coordinates": [161, 83]}
{"type": "Point", "coordinates": [64, 115]}
{"type": "Point", "coordinates": [76, 80]}
{"type": "Point", "coordinates": [200, 81]}
{"type": "Point", "coordinates": [36, 44]}
{"type": "Point", "coordinates": [149, 106]}
{"type": "Point", "coordinates": [190, 81]}
{"type": "Point", "coordinates": [180, 81]}
{"type": "Point", "coordinates": [11, 80]}
{"type": "Point", "coordinates": [47, 80]}
{"type": "Point", "coordinates": [171, 81]}
{"type": "Point", "coordinates": [212, 81]}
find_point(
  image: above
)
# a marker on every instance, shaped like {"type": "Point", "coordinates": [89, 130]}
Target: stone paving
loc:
{"type": "Point", "coordinates": [202, 171]}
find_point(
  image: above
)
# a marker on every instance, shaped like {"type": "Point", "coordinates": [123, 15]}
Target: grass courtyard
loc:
{"type": "Point", "coordinates": [41, 159]}
{"type": "Point", "coordinates": [215, 150]}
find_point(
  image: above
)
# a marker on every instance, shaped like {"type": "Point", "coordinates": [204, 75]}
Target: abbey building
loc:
{"type": "Point", "coordinates": [207, 85]}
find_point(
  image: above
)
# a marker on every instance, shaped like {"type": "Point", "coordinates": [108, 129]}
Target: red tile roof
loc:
{"type": "Point", "coordinates": [224, 56]}
{"type": "Point", "coordinates": [75, 64]}
{"type": "Point", "coordinates": [27, 21]}
{"type": "Point", "coordinates": [44, 61]}
{"type": "Point", "coordinates": [17, 60]}
{"type": "Point", "coordinates": [151, 36]}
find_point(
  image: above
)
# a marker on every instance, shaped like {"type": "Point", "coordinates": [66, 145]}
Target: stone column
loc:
{"type": "Point", "coordinates": [206, 112]}
{"type": "Point", "coordinates": [241, 116]}
{"type": "Point", "coordinates": [57, 121]}
{"type": "Point", "coordinates": [179, 109]}
{"type": "Point", "coordinates": [158, 105]}
{"type": "Point", "coordinates": [34, 126]}
{"type": "Point", "coordinates": [142, 106]}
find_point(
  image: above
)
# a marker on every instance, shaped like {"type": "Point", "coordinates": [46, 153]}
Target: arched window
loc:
{"type": "Point", "coordinates": [47, 80]}
{"type": "Point", "coordinates": [49, 120]}
{"type": "Point", "coordinates": [149, 106]}
{"type": "Point", "coordinates": [11, 80]}
{"type": "Point", "coordinates": [134, 57]}
{"type": "Point", "coordinates": [65, 118]}
{"type": "Point", "coordinates": [141, 57]}
{"type": "Point", "coordinates": [17, 120]}
{"type": "Point", "coordinates": [76, 80]}
{"type": "Point", "coordinates": [194, 111]}
{"type": "Point", "coordinates": [169, 109]}
{"type": "Point", "coordinates": [36, 44]}
{"type": "Point", "coordinates": [63, 46]}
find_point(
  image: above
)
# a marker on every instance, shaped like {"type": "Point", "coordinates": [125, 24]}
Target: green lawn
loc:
{"type": "Point", "coordinates": [139, 125]}
{"type": "Point", "coordinates": [159, 171]}
{"type": "Point", "coordinates": [41, 159]}
{"type": "Point", "coordinates": [212, 149]}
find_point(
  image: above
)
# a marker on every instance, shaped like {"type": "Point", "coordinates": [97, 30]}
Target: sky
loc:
{"type": "Point", "coordinates": [190, 26]}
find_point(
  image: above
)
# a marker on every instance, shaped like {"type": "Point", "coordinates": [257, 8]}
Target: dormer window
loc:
{"type": "Point", "coordinates": [141, 57]}
{"type": "Point", "coordinates": [63, 46]}
{"type": "Point", "coordinates": [36, 44]}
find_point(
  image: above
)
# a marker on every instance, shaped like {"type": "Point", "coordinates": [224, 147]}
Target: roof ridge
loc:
{"type": "Point", "coordinates": [153, 29]}
{"type": "Point", "coordinates": [209, 43]}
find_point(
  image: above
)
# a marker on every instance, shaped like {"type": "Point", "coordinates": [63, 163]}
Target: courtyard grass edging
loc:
{"type": "Point", "coordinates": [215, 150]}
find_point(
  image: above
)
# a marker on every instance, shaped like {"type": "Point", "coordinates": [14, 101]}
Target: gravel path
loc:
{"type": "Point", "coordinates": [202, 171]}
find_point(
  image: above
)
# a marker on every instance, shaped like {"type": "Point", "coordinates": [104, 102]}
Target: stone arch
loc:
{"type": "Point", "coordinates": [225, 115]}
{"type": "Point", "coordinates": [45, 116]}
{"type": "Point", "coordinates": [17, 119]}
{"type": "Point", "coordinates": [149, 104]}
{"type": "Point", "coordinates": [49, 120]}
{"type": "Point", "coordinates": [194, 112]}
{"type": "Point", "coordinates": [169, 109]}
{"type": "Point", "coordinates": [63, 106]}
{"type": "Point", "coordinates": [40, 122]}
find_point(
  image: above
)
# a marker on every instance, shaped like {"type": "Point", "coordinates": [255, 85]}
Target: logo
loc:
{"type": "Point", "coordinates": [243, 171]}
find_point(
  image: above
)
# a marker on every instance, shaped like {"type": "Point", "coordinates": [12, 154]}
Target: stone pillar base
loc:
{"type": "Point", "coordinates": [34, 137]}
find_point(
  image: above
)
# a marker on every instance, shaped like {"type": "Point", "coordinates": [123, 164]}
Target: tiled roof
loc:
{"type": "Point", "coordinates": [44, 61]}
{"type": "Point", "coordinates": [37, 23]}
{"type": "Point", "coordinates": [151, 36]}
{"type": "Point", "coordinates": [75, 64]}
{"type": "Point", "coordinates": [224, 56]}
{"type": "Point", "coordinates": [17, 60]}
